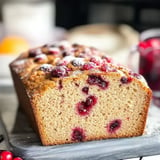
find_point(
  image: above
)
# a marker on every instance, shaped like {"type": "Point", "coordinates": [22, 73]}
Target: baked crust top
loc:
{"type": "Point", "coordinates": [42, 67]}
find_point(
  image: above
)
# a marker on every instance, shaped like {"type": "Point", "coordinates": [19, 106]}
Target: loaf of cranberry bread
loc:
{"type": "Point", "coordinates": [73, 93]}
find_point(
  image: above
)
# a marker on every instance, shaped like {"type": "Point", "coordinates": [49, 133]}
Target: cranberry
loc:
{"type": "Point", "coordinates": [40, 57]}
{"type": "Point", "coordinates": [35, 52]}
{"type": "Point", "coordinates": [95, 61]}
{"type": "Point", "coordinates": [17, 158]}
{"type": "Point", "coordinates": [46, 67]}
{"type": "Point", "coordinates": [88, 66]}
{"type": "Point", "coordinates": [85, 90]}
{"type": "Point", "coordinates": [59, 71]}
{"type": "Point", "coordinates": [54, 50]}
{"type": "Point", "coordinates": [125, 80]}
{"type": "Point", "coordinates": [107, 59]}
{"type": "Point", "coordinates": [84, 107]}
{"type": "Point", "coordinates": [97, 80]}
{"type": "Point", "coordinates": [114, 125]}
{"type": "Point", "coordinates": [6, 155]}
{"type": "Point", "coordinates": [65, 53]}
{"type": "Point", "coordinates": [91, 101]}
{"type": "Point", "coordinates": [78, 62]}
{"type": "Point", "coordinates": [78, 134]}
{"type": "Point", "coordinates": [136, 75]}
{"type": "Point", "coordinates": [104, 68]}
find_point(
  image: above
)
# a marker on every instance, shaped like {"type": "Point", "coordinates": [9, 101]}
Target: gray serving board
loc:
{"type": "Point", "coordinates": [26, 144]}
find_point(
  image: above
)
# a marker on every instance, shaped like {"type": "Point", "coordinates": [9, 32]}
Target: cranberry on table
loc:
{"type": "Point", "coordinates": [17, 158]}
{"type": "Point", "coordinates": [6, 155]}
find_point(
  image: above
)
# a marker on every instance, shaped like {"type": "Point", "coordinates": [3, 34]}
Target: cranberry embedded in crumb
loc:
{"type": "Point", "coordinates": [125, 80]}
{"type": "Point", "coordinates": [84, 107]}
{"type": "Point", "coordinates": [85, 90]}
{"type": "Point", "coordinates": [6, 155]}
{"type": "Point", "coordinates": [97, 80]}
{"type": "Point", "coordinates": [78, 134]}
{"type": "Point", "coordinates": [114, 125]}
{"type": "Point", "coordinates": [90, 101]}
{"type": "Point", "coordinates": [59, 71]}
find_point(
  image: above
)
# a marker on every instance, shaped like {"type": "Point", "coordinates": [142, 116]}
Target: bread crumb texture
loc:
{"type": "Point", "coordinates": [77, 94]}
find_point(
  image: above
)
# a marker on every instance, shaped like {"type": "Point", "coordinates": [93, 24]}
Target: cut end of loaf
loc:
{"type": "Point", "coordinates": [71, 115]}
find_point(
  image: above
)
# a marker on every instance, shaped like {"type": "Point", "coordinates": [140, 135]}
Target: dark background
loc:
{"type": "Point", "coordinates": [140, 14]}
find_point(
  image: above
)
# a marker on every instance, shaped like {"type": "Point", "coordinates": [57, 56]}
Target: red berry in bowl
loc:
{"type": "Point", "coordinates": [6, 155]}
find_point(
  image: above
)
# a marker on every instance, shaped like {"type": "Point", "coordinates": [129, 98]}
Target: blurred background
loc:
{"type": "Point", "coordinates": [113, 26]}
{"type": "Point", "coordinates": [110, 25]}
